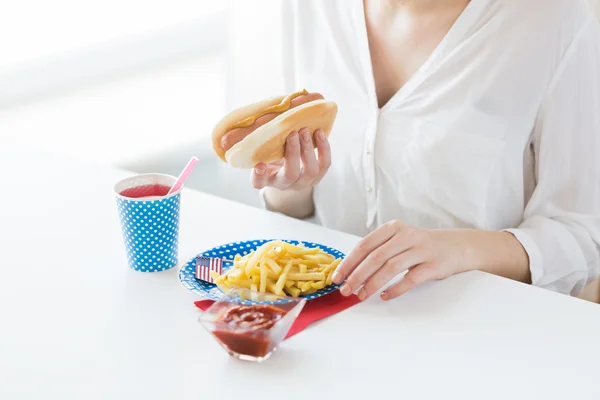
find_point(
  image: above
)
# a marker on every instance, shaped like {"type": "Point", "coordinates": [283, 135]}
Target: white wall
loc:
{"type": "Point", "coordinates": [254, 62]}
{"type": "Point", "coordinates": [126, 119]}
{"type": "Point", "coordinates": [111, 81]}
{"type": "Point", "coordinates": [33, 29]}
{"type": "Point", "coordinates": [47, 48]}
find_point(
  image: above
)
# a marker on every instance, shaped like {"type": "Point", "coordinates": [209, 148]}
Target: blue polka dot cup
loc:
{"type": "Point", "coordinates": [149, 221]}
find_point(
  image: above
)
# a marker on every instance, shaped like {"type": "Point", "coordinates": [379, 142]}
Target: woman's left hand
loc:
{"type": "Point", "coordinates": [392, 249]}
{"type": "Point", "coordinates": [427, 255]}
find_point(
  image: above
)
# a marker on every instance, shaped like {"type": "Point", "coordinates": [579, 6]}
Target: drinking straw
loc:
{"type": "Point", "coordinates": [183, 176]}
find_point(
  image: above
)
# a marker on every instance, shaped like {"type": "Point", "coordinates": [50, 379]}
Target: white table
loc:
{"type": "Point", "coordinates": [76, 323]}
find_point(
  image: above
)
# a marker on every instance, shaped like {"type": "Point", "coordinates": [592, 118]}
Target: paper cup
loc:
{"type": "Point", "coordinates": [150, 225]}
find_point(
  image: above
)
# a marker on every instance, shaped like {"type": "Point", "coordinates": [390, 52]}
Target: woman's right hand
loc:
{"type": "Point", "coordinates": [300, 169]}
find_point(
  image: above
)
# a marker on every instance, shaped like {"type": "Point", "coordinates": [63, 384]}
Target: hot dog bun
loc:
{"type": "Point", "coordinates": [266, 144]}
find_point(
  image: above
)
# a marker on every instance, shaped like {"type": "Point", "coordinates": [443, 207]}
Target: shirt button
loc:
{"type": "Point", "coordinates": [368, 152]}
{"type": "Point", "coordinates": [369, 189]}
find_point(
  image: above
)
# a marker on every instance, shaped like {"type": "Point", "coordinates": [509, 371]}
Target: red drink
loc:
{"type": "Point", "coordinates": [146, 191]}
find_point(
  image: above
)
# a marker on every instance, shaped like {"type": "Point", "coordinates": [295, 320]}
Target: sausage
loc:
{"type": "Point", "coordinates": [305, 98]}
{"type": "Point", "coordinates": [238, 134]}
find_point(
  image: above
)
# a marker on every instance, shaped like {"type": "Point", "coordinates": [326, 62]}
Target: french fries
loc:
{"type": "Point", "coordinates": [280, 268]}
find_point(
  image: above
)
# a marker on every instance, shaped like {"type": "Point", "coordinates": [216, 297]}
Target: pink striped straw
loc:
{"type": "Point", "coordinates": [183, 176]}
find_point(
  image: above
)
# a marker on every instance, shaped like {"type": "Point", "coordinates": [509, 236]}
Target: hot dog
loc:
{"type": "Point", "coordinates": [257, 132]}
{"type": "Point", "coordinates": [236, 135]}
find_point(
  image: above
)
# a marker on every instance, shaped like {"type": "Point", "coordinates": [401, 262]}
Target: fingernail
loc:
{"type": "Point", "coordinates": [301, 131]}
{"type": "Point", "coordinates": [305, 135]}
{"type": "Point", "coordinates": [320, 134]}
{"type": "Point", "coordinates": [293, 138]}
{"type": "Point", "coordinates": [259, 170]}
{"type": "Point", "coordinates": [346, 290]}
{"type": "Point", "coordinates": [384, 296]}
{"type": "Point", "coordinates": [335, 278]}
{"type": "Point", "coordinates": [362, 294]}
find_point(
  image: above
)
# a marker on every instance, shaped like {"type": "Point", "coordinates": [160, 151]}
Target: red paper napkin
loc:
{"type": "Point", "coordinates": [314, 310]}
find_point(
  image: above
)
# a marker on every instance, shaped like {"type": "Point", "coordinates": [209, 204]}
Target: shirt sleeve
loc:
{"type": "Point", "coordinates": [561, 227]}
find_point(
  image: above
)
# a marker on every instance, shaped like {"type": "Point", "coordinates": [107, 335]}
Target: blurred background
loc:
{"type": "Point", "coordinates": [137, 84]}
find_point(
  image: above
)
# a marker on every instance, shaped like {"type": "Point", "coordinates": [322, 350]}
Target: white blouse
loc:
{"type": "Point", "coordinates": [499, 130]}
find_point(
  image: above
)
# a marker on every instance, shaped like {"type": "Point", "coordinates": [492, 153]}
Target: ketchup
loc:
{"type": "Point", "coordinates": [249, 329]}
{"type": "Point", "coordinates": [146, 191]}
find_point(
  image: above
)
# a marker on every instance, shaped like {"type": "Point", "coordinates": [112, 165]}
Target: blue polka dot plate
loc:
{"type": "Point", "coordinates": [187, 273]}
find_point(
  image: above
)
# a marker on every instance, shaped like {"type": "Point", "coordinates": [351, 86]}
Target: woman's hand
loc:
{"type": "Point", "coordinates": [300, 169]}
{"type": "Point", "coordinates": [426, 255]}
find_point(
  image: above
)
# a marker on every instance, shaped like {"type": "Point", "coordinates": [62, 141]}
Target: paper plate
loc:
{"type": "Point", "coordinates": [187, 273]}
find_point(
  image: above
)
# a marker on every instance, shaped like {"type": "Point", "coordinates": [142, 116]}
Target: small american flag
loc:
{"type": "Point", "coordinates": [206, 264]}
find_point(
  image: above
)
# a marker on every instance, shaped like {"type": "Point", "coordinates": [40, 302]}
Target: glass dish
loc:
{"type": "Point", "coordinates": [250, 325]}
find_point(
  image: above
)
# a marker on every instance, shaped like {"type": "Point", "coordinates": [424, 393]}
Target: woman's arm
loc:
{"type": "Point", "coordinates": [426, 255]}
{"type": "Point", "coordinates": [498, 253]}
{"type": "Point", "coordinates": [561, 227]}
{"type": "Point", "coordinates": [297, 204]}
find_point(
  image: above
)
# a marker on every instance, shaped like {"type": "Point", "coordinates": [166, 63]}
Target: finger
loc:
{"type": "Point", "coordinates": [369, 243]}
{"type": "Point", "coordinates": [416, 276]}
{"type": "Point", "coordinates": [291, 169]}
{"type": "Point", "coordinates": [310, 166]}
{"type": "Point", "coordinates": [324, 152]}
{"type": "Point", "coordinates": [259, 176]}
{"type": "Point", "coordinates": [274, 167]}
{"type": "Point", "coordinates": [376, 260]}
{"type": "Point", "coordinates": [393, 267]}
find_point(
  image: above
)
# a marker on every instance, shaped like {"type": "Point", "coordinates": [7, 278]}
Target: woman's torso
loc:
{"type": "Point", "coordinates": [451, 147]}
